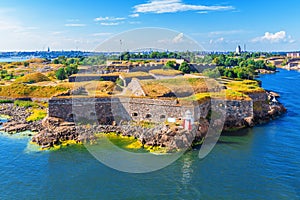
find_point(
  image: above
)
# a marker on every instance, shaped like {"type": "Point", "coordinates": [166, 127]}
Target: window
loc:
{"type": "Point", "coordinates": [163, 117]}
{"type": "Point", "coordinates": [148, 116]}
{"type": "Point", "coordinates": [134, 114]}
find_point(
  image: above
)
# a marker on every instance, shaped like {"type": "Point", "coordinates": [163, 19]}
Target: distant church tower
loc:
{"type": "Point", "coordinates": [238, 50]}
{"type": "Point", "coordinates": [48, 49]}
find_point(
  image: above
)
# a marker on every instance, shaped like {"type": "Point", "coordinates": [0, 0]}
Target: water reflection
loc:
{"type": "Point", "coordinates": [187, 170]}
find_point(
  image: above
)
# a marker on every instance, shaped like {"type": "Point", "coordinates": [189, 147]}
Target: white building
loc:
{"type": "Point", "coordinates": [293, 55]}
{"type": "Point", "coordinates": [238, 50]}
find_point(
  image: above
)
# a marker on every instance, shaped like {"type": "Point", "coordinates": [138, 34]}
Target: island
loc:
{"type": "Point", "coordinates": [163, 100]}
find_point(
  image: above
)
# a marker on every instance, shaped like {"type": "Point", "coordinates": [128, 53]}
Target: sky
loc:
{"type": "Point", "coordinates": [259, 25]}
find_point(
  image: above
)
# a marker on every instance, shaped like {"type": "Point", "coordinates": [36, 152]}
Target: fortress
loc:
{"type": "Point", "coordinates": [109, 110]}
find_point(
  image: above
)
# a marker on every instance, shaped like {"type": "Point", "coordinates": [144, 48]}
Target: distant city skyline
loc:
{"type": "Point", "coordinates": [214, 25]}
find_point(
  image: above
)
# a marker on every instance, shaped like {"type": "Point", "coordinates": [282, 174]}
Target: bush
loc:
{"type": "Point", "coordinates": [185, 68]}
{"type": "Point", "coordinates": [6, 101]}
{"type": "Point", "coordinates": [61, 74]}
{"type": "Point", "coordinates": [119, 82]}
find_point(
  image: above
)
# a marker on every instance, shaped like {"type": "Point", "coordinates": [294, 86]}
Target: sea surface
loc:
{"type": "Point", "coordinates": [263, 163]}
{"type": "Point", "coordinates": [14, 59]}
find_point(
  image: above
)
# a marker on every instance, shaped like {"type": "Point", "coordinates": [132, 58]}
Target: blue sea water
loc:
{"type": "Point", "coordinates": [262, 164]}
{"type": "Point", "coordinates": [13, 59]}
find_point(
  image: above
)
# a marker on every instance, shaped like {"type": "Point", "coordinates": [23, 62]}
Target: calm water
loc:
{"type": "Point", "coordinates": [263, 164]}
{"type": "Point", "coordinates": [13, 59]}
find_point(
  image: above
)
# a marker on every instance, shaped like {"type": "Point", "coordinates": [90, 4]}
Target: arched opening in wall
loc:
{"type": "Point", "coordinates": [134, 114]}
{"type": "Point", "coordinates": [108, 120]}
{"type": "Point", "coordinates": [71, 117]}
{"type": "Point", "coordinates": [148, 116]}
{"type": "Point", "coordinates": [163, 117]}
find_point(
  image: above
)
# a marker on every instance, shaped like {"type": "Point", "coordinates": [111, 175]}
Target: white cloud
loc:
{"type": "Point", "coordinates": [109, 19]}
{"type": "Point", "coordinates": [110, 23]}
{"type": "Point", "coordinates": [280, 36]}
{"type": "Point", "coordinates": [172, 6]}
{"type": "Point", "coordinates": [134, 15]}
{"type": "Point", "coordinates": [178, 38]}
{"type": "Point", "coordinates": [75, 25]}
{"type": "Point", "coordinates": [216, 41]}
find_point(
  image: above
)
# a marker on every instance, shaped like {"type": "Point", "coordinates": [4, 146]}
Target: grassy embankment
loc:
{"type": "Point", "coordinates": [236, 90]}
{"type": "Point", "coordinates": [166, 72]}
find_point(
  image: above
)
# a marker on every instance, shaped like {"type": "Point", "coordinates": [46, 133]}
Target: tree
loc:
{"type": "Point", "coordinates": [230, 75]}
{"type": "Point", "coordinates": [61, 74]}
{"type": "Point", "coordinates": [26, 64]}
{"type": "Point", "coordinates": [184, 67]}
{"type": "Point", "coordinates": [171, 64]}
{"type": "Point", "coordinates": [72, 69]}
{"type": "Point", "coordinates": [56, 61]}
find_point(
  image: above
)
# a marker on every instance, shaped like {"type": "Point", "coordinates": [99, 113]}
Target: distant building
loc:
{"type": "Point", "coordinates": [293, 55]}
{"type": "Point", "coordinates": [238, 50]}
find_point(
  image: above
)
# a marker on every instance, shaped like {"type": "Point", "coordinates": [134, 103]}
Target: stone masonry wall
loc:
{"type": "Point", "coordinates": [107, 110]}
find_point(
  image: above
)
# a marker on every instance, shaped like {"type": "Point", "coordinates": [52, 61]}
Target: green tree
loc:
{"type": "Point", "coordinates": [71, 69]}
{"type": "Point", "coordinates": [171, 64]}
{"type": "Point", "coordinates": [61, 74]}
{"type": "Point", "coordinates": [184, 67]}
{"type": "Point", "coordinates": [26, 64]}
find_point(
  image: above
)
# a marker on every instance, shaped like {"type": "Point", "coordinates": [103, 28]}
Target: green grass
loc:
{"type": "Point", "coordinates": [245, 86]}
{"type": "Point", "coordinates": [25, 104]}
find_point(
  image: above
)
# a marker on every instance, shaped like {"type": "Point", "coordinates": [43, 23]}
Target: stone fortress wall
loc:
{"type": "Point", "coordinates": [106, 110]}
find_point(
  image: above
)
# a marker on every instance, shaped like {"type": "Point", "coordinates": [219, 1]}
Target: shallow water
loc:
{"type": "Point", "coordinates": [262, 164]}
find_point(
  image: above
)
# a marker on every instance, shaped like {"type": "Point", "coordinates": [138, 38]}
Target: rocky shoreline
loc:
{"type": "Point", "coordinates": [17, 119]}
{"type": "Point", "coordinates": [54, 131]}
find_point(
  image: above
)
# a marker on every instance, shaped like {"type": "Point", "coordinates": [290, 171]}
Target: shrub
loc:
{"type": "Point", "coordinates": [6, 101]}
{"type": "Point", "coordinates": [61, 74]}
{"type": "Point", "coordinates": [119, 82]}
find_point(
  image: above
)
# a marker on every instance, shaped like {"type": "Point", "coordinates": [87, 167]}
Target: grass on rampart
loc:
{"type": "Point", "coordinates": [18, 90]}
{"type": "Point", "coordinates": [178, 86]}
{"type": "Point", "coordinates": [245, 86]}
{"type": "Point", "coordinates": [136, 75]}
{"type": "Point", "coordinates": [33, 78]}
{"type": "Point", "coordinates": [166, 72]}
